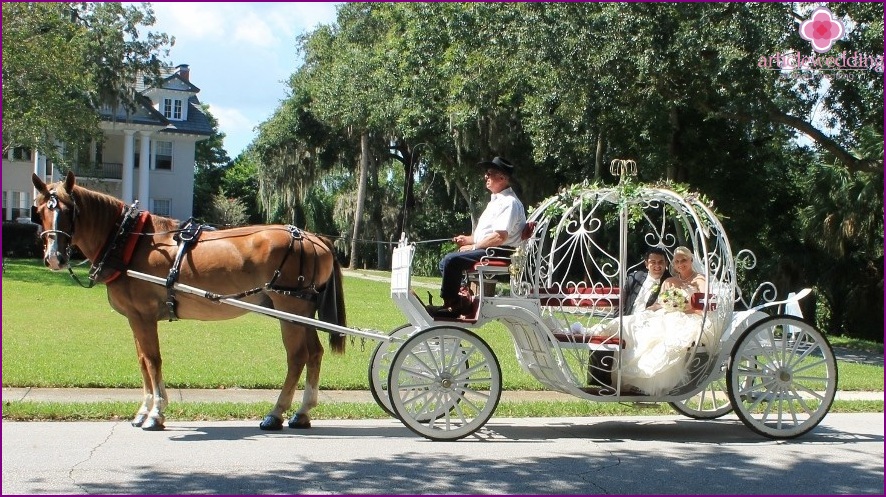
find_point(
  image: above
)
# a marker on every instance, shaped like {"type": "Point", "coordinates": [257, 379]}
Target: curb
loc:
{"type": "Point", "coordinates": [240, 395]}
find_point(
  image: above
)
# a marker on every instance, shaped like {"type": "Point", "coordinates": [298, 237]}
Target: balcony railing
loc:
{"type": "Point", "coordinates": [105, 170]}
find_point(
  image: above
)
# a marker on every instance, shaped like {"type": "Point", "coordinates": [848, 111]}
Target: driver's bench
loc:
{"type": "Point", "coordinates": [494, 267]}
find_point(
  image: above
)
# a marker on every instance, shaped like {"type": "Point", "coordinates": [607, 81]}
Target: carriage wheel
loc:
{"type": "Point", "coordinates": [380, 365]}
{"type": "Point", "coordinates": [782, 377]}
{"type": "Point", "coordinates": [711, 403]}
{"type": "Point", "coordinates": [444, 383]}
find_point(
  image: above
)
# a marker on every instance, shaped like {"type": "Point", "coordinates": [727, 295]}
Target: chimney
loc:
{"type": "Point", "coordinates": [184, 72]}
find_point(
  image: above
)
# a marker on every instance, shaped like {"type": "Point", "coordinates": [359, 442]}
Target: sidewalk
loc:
{"type": "Point", "coordinates": [266, 395]}
{"type": "Point", "coordinates": [31, 394]}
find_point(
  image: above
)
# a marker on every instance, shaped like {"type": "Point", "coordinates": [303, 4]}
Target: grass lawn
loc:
{"type": "Point", "coordinates": [57, 334]}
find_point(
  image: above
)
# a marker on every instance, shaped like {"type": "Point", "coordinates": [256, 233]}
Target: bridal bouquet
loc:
{"type": "Point", "coordinates": [674, 299]}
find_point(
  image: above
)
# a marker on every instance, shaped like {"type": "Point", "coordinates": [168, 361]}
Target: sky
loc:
{"type": "Point", "coordinates": [240, 54]}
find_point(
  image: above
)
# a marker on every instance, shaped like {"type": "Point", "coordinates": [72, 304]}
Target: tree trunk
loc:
{"type": "Point", "coordinates": [376, 218]}
{"type": "Point", "coordinates": [361, 197]}
{"type": "Point", "coordinates": [675, 171]}
{"type": "Point", "coordinates": [598, 158]}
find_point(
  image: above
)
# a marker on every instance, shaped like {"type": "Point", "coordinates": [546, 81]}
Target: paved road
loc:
{"type": "Point", "coordinates": [602, 455]}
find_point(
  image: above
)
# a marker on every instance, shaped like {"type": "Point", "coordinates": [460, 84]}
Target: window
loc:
{"type": "Point", "coordinates": [172, 108]}
{"type": "Point", "coordinates": [161, 206]}
{"type": "Point", "coordinates": [20, 205]}
{"type": "Point", "coordinates": [21, 153]}
{"type": "Point", "coordinates": [163, 156]}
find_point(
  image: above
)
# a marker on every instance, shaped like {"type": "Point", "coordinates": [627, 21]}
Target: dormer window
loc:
{"type": "Point", "coordinates": [172, 108]}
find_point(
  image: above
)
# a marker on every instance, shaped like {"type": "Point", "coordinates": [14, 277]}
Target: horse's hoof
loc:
{"type": "Point", "coordinates": [139, 420]}
{"type": "Point", "coordinates": [152, 424]}
{"type": "Point", "coordinates": [299, 422]}
{"type": "Point", "coordinates": [271, 423]}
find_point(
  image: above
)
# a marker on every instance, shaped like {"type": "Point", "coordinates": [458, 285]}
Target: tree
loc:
{"type": "Point", "coordinates": [210, 161]}
{"type": "Point", "coordinates": [240, 182]}
{"type": "Point", "coordinates": [62, 61]}
{"type": "Point", "coordinates": [564, 88]}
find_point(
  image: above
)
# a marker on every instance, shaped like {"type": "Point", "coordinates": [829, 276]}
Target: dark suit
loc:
{"type": "Point", "coordinates": [600, 363]}
{"type": "Point", "coordinates": [631, 289]}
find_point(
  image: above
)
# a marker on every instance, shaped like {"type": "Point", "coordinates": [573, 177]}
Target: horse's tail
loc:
{"type": "Point", "coordinates": [331, 305]}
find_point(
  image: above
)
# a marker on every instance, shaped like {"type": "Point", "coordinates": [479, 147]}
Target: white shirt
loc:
{"type": "Point", "coordinates": [503, 213]}
{"type": "Point", "coordinates": [643, 297]}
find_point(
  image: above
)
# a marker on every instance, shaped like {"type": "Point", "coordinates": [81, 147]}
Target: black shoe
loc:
{"type": "Point", "coordinates": [442, 311]}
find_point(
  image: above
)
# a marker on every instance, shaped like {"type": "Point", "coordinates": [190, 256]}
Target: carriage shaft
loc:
{"type": "Point", "coordinates": [295, 318]}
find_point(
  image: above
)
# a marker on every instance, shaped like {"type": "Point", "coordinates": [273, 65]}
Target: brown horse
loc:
{"type": "Point", "coordinates": [274, 266]}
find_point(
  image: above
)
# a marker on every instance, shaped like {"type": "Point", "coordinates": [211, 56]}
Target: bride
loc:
{"type": "Point", "coordinates": [658, 339]}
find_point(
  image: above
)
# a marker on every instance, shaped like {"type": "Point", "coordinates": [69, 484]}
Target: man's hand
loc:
{"type": "Point", "coordinates": [462, 240]}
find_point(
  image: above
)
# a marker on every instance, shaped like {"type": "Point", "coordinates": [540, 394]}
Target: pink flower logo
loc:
{"type": "Point", "coordinates": [822, 29]}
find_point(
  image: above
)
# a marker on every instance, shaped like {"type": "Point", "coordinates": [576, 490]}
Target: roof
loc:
{"type": "Point", "coordinates": [197, 122]}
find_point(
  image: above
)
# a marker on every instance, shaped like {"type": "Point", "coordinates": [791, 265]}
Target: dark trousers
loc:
{"type": "Point", "coordinates": [452, 267]}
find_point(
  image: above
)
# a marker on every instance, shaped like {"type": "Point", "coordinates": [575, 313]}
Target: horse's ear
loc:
{"type": "Point", "coordinates": [39, 184]}
{"type": "Point", "coordinates": [69, 182]}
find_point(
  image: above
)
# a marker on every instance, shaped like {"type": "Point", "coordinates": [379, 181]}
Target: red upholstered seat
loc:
{"type": "Point", "coordinates": [698, 301]}
{"type": "Point", "coordinates": [573, 296]}
{"type": "Point", "coordinates": [592, 339]}
{"type": "Point", "coordinates": [505, 261]}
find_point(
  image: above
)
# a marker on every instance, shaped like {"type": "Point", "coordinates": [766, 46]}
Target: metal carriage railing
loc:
{"type": "Point", "coordinates": [589, 237]}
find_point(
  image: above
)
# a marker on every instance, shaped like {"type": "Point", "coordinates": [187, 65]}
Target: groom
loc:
{"type": "Point", "coordinates": [639, 291]}
{"type": "Point", "coordinates": [641, 288]}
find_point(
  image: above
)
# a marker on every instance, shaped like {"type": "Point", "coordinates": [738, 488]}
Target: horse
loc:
{"type": "Point", "coordinates": [274, 266]}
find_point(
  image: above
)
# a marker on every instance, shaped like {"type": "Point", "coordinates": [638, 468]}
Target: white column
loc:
{"type": "Point", "coordinates": [144, 162]}
{"type": "Point", "coordinates": [40, 165]}
{"type": "Point", "coordinates": [128, 145]}
{"type": "Point", "coordinates": [39, 170]}
{"type": "Point", "coordinates": [8, 205]}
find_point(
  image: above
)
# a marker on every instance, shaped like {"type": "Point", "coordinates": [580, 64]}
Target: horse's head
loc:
{"type": "Point", "coordinates": [56, 209]}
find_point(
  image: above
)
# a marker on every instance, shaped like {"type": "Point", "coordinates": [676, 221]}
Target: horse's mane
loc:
{"type": "Point", "coordinates": [105, 209]}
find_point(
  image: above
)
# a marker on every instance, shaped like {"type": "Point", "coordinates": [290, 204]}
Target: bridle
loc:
{"type": "Point", "coordinates": [53, 204]}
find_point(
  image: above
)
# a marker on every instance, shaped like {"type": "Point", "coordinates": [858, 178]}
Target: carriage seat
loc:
{"type": "Point", "coordinates": [575, 296]}
{"type": "Point", "coordinates": [497, 262]}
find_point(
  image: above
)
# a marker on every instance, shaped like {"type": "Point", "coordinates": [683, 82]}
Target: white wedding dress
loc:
{"type": "Point", "coordinates": [657, 345]}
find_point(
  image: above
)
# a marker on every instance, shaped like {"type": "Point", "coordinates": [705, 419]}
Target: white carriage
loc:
{"type": "Point", "coordinates": [441, 379]}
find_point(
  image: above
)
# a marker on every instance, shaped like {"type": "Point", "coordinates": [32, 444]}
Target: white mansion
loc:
{"type": "Point", "coordinates": [147, 155]}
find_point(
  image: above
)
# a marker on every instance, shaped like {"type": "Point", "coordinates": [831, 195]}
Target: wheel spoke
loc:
{"type": "Point", "coordinates": [782, 387]}
{"type": "Point", "coordinates": [433, 379]}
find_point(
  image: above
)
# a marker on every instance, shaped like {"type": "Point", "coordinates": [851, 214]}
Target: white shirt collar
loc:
{"type": "Point", "coordinates": [507, 192]}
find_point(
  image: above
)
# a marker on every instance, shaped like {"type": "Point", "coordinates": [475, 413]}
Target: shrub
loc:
{"type": "Point", "coordinates": [21, 240]}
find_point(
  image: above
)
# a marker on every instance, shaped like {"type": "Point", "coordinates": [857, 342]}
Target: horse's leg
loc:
{"type": "Point", "coordinates": [148, 348]}
{"type": "Point", "coordinates": [302, 418]}
{"type": "Point", "coordinates": [296, 356]}
{"type": "Point", "coordinates": [147, 396]}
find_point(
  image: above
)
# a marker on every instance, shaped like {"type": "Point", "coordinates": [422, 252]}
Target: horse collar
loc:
{"type": "Point", "coordinates": [117, 252]}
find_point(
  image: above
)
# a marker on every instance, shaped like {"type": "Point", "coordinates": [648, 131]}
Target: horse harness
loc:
{"type": "Point", "coordinates": [118, 250]}
{"type": "Point", "coordinates": [188, 237]}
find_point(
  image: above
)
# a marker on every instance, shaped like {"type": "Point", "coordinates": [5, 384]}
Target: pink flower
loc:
{"type": "Point", "coordinates": [822, 29]}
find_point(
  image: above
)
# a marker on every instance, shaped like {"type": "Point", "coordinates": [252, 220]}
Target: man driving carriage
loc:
{"type": "Point", "coordinates": [500, 225]}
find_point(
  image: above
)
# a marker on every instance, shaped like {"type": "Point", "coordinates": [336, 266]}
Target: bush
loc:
{"type": "Point", "coordinates": [21, 240]}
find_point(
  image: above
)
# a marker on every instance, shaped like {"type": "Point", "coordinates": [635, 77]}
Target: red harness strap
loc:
{"type": "Point", "coordinates": [117, 258]}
